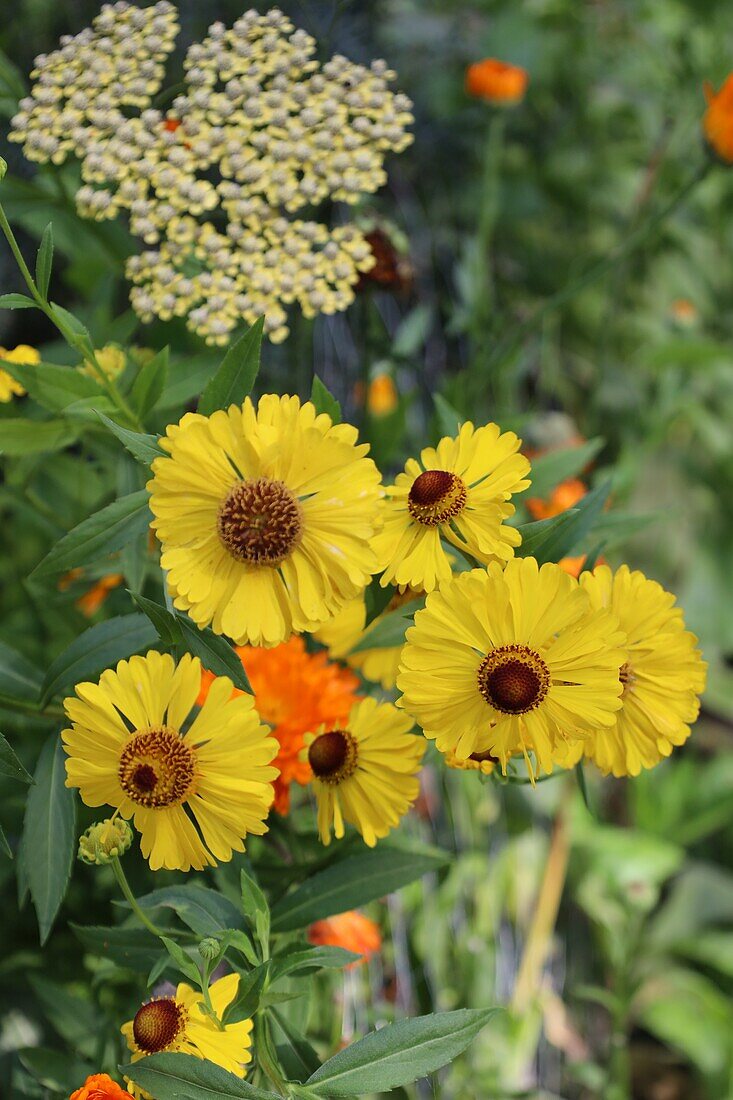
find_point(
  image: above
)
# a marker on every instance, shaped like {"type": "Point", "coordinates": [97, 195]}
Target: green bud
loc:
{"type": "Point", "coordinates": [104, 841]}
{"type": "Point", "coordinates": [3, 168]}
{"type": "Point", "coordinates": [209, 948]}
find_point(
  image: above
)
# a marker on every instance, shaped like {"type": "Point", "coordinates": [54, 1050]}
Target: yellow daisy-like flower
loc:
{"type": "Point", "coordinates": [24, 355]}
{"type": "Point", "coordinates": [110, 358]}
{"type": "Point", "coordinates": [365, 773]}
{"type": "Point", "coordinates": [379, 665]}
{"type": "Point", "coordinates": [180, 1024]}
{"type": "Point", "coordinates": [512, 661]}
{"type": "Point", "coordinates": [265, 517]}
{"type": "Point", "coordinates": [459, 491]}
{"type": "Point", "coordinates": [482, 762]}
{"type": "Point", "coordinates": [662, 676]}
{"type": "Point", "coordinates": [193, 796]}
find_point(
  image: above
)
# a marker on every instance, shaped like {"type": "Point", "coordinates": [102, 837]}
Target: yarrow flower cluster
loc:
{"type": "Point", "coordinates": [262, 131]}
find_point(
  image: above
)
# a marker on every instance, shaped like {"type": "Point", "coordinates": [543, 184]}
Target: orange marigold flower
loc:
{"type": "Point", "coordinates": [382, 395]}
{"type": "Point", "coordinates": [296, 692]}
{"type": "Point", "coordinates": [352, 931]}
{"type": "Point", "coordinates": [92, 600]}
{"type": "Point", "coordinates": [496, 81]}
{"type": "Point", "coordinates": [717, 121]}
{"type": "Point", "coordinates": [563, 496]}
{"type": "Point", "coordinates": [100, 1087]}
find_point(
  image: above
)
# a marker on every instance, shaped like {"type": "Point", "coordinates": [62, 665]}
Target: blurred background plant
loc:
{"type": "Point", "coordinates": [609, 932]}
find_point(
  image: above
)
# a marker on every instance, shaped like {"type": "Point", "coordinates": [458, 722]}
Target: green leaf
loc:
{"type": "Point", "coordinates": [376, 599]}
{"type": "Point", "coordinates": [215, 653]}
{"type": "Point", "coordinates": [204, 911]}
{"type": "Point", "coordinates": [141, 446]}
{"type": "Point", "coordinates": [16, 301]}
{"type": "Point", "coordinates": [135, 948]}
{"type": "Point", "coordinates": [324, 400]}
{"type": "Point", "coordinates": [54, 388]}
{"type": "Point", "coordinates": [248, 995]}
{"type": "Point", "coordinates": [102, 533]}
{"type": "Point", "coordinates": [550, 469]}
{"type": "Point", "coordinates": [166, 624]}
{"type": "Point", "coordinates": [389, 631]}
{"type": "Point", "coordinates": [299, 958]}
{"type": "Point", "coordinates": [236, 375]}
{"type": "Point", "coordinates": [76, 1019]}
{"type": "Point", "coordinates": [449, 419]}
{"type": "Point", "coordinates": [27, 437]}
{"type": "Point", "coordinates": [53, 1069]}
{"type": "Point", "coordinates": [19, 679]}
{"type": "Point", "coordinates": [44, 261]}
{"type": "Point", "coordinates": [295, 1054]}
{"type": "Point", "coordinates": [354, 881]}
{"type": "Point", "coordinates": [4, 844]}
{"type": "Point", "coordinates": [256, 910]}
{"type": "Point", "coordinates": [97, 648]}
{"type": "Point", "coordinates": [183, 962]}
{"type": "Point", "coordinates": [556, 538]}
{"type": "Point", "coordinates": [49, 834]}
{"type": "Point", "coordinates": [185, 1077]}
{"type": "Point", "coordinates": [10, 765]}
{"type": "Point", "coordinates": [582, 786]}
{"type": "Point", "coordinates": [400, 1053]}
{"type": "Point", "coordinates": [148, 387]}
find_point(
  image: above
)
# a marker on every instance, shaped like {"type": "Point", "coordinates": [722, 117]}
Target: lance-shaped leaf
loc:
{"type": "Point", "coordinates": [53, 387]}
{"type": "Point", "coordinates": [44, 261]}
{"type": "Point", "coordinates": [389, 630]}
{"type": "Point", "coordinates": [556, 538]}
{"type": "Point", "coordinates": [100, 646]}
{"type": "Point", "coordinates": [27, 437]}
{"type": "Point", "coordinates": [324, 400]}
{"type": "Point", "coordinates": [236, 376]}
{"type": "Point", "coordinates": [550, 469]}
{"type": "Point", "coordinates": [148, 387]}
{"type": "Point", "coordinates": [49, 834]}
{"type": "Point", "coordinates": [184, 1077]}
{"type": "Point", "coordinates": [19, 679]}
{"type": "Point", "coordinates": [141, 446]}
{"type": "Point", "coordinates": [10, 765]}
{"type": "Point", "coordinates": [106, 531]}
{"type": "Point", "coordinates": [399, 1053]}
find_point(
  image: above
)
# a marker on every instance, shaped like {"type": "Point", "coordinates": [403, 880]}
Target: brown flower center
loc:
{"type": "Point", "coordinates": [158, 1024]}
{"type": "Point", "coordinates": [156, 768]}
{"type": "Point", "coordinates": [260, 522]}
{"type": "Point", "coordinates": [332, 756]}
{"type": "Point", "coordinates": [436, 496]}
{"type": "Point", "coordinates": [627, 676]}
{"type": "Point", "coordinates": [481, 756]}
{"type": "Point", "coordinates": [513, 679]}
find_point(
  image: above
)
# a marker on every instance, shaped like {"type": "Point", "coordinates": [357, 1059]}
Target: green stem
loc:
{"type": "Point", "coordinates": [597, 270]}
{"type": "Point", "coordinates": [23, 706]}
{"type": "Point", "coordinates": [266, 1058]}
{"type": "Point", "coordinates": [130, 897]}
{"type": "Point", "coordinates": [79, 343]}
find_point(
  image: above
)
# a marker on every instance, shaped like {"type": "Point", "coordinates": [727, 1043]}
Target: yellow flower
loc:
{"type": "Point", "coordinates": [126, 749]}
{"type": "Point", "coordinates": [23, 354]}
{"type": "Point", "coordinates": [459, 492]}
{"type": "Point", "coordinates": [265, 518]}
{"type": "Point", "coordinates": [365, 773]}
{"type": "Point", "coordinates": [513, 661]}
{"type": "Point", "coordinates": [110, 358]}
{"type": "Point", "coordinates": [662, 676]}
{"type": "Point", "coordinates": [344, 630]}
{"type": "Point", "coordinates": [482, 762]}
{"type": "Point", "coordinates": [180, 1024]}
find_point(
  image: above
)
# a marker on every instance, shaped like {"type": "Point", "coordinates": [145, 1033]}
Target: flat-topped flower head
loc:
{"type": "Point", "coordinates": [265, 517]}
{"type": "Point", "coordinates": [496, 82]}
{"type": "Point", "coordinates": [662, 676]}
{"type": "Point", "coordinates": [25, 356]}
{"type": "Point", "coordinates": [179, 1024]}
{"type": "Point", "coordinates": [503, 662]}
{"type": "Point", "coordinates": [100, 1086]}
{"type": "Point", "coordinates": [365, 773]}
{"type": "Point", "coordinates": [194, 783]}
{"type": "Point", "coordinates": [459, 492]}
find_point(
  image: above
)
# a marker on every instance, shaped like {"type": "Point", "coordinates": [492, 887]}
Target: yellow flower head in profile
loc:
{"type": "Point", "coordinates": [459, 491]}
{"type": "Point", "coordinates": [265, 517]}
{"type": "Point", "coordinates": [179, 1024]}
{"type": "Point", "coordinates": [193, 796]}
{"type": "Point", "coordinates": [512, 661]}
{"type": "Point", "coordinates": [365, 773]}
{"type": "Point", "coordinates": [482, 762]}
{"type": "Point", "coordinates": [341, 633]}
{"type": "Point", "coordinates": [24, 355]}
{"type": "Point", "coordinates": [662, 675]}
{"type": "Point", "coordinates": [110, 359]}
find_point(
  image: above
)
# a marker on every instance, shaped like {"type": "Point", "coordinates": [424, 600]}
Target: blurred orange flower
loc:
{"type": "Point", "coordinates": [92, 600]}
{"type": "Point", "coordinates": [295, 692]}
{"type": "Point", "coordinates": [382, 395]}
{"type": "Point", "coordinates": [563, 496]}
{"type": "Point", "coordinates": [684, 312]}
{"type": "Point", "coordinates": [100, 1087]}
{"type": "Point", "coordinates": [352, 931]}
{"type": "Point", "coordinates": [496, 81]}
{"type": "Point", "coordinates": [717, 121]}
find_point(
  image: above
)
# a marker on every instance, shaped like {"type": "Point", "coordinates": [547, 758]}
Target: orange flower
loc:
{"type": "Point", "coordinates": [382, 395]}
{"type": "Point", "coordinates": [717, 121]}
{"type": "Point", "coordinates": [563, 496]}
{"type": "Point", "coordinates": [683, 312]}
{"type": "Point", "coordinates": [496, 82]}
{"type": "Point", "coordinates": [100, 1087]}
{"type": "Point", "coordinates": [295, 692]}
{"type": "Point", "coordinates": [92, 600]}
{"type": "Point", "coordinates": [352, 931]}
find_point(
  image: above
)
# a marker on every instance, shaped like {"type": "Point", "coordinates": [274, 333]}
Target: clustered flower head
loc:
{"type": "Point", "coordinates": [262, 132]}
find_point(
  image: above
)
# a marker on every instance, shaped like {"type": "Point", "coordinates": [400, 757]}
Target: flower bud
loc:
{"type": "Point", "coordinates": [209, 948]}
{"type": "Point", "coordinates": [104, 841]}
